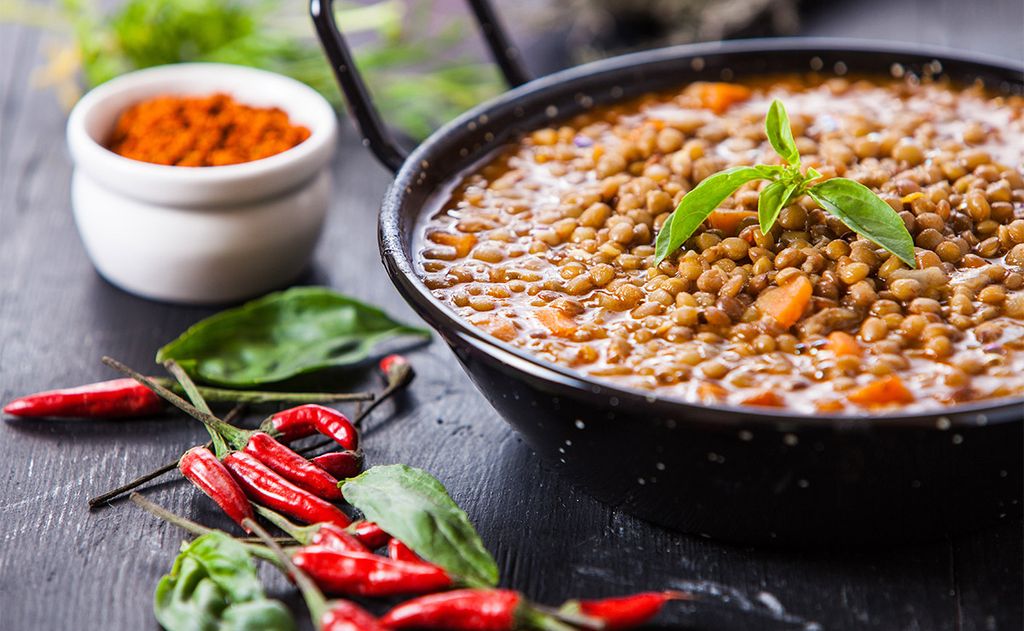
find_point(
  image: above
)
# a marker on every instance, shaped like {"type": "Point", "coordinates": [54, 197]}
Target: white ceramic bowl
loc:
{"type": "Point", "coordinates": [200, 234]}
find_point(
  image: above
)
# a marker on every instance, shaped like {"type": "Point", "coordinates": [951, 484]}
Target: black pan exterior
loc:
{"type": "Point", "coordinates": [725, 472]}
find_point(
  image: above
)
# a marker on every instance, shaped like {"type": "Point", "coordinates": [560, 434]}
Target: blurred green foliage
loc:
{"type": "Point", "coordinates": [417, 73]}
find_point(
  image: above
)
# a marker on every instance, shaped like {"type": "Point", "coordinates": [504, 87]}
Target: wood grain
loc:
{"type": "Point", "coordinates": [63, 567]}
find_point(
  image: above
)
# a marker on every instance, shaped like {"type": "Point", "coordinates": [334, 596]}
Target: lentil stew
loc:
{"type": "Point", "coordinates": [549, 246]}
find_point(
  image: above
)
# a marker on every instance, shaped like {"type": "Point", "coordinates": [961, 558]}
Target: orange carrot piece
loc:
{"type": "Point", "coordinates": [557, 321]}
{"type": "Point", "coordinates": [718, 96]}
{"type": "Point", "coordinates": [842, 343]}
{"type": "Point", "coordinates": [834, 405]}
{"type": "Point", "coordinates": [889, 389]}
{"type": "Point", "coordinates": [710, 392]}
{"type": "Point", "coordinates": [499, 327]}
{"type": "Point", "coordinates": [728, 221]}
{"type": "Point", "coordinates": [766, 398]}
{"type": "Point", "coordinates": [786, 304]}
{"type": "Point", "coordinates": [462, 243]}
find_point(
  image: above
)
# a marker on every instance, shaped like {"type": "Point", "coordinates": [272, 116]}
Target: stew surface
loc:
{"type": "Point", "coordinates": [549, 246]}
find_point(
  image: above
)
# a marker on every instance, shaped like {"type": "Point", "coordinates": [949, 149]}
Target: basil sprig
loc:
{"type": "Point", "coordinates": [213, 586]}
{"type": "Point", "coordinates": [852, 202]}
{"type": "Point", "coordinates": [414, 507]}
{"type": "Point", "coordinates": [282, 335]}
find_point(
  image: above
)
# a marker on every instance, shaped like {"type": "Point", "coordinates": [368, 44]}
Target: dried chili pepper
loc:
{"type": "Point", "coordinates": [460, 610]}
{"type": "Point", "coordinates": [343, 615]}
{"type": "Point", "coordinates": [293, 467]}
{"type": "Point", "coordinates": [306, 420]}
{"type": "Point", "coordinates": [264, 485]}
{"type": "Point", "coordinates": [322, 534]}
{"type": "Point", "coordinates": [341, 464]}
{"type": "Point", "coordinates": [118, 398]}
{"type": "Point", "coordinates": [370, 534]}
{"type": "Point", "coordinates": [203, 469]}
{"type": "Point", "coordinates": [396, 369]}
{"type": "Point", "coordinates": [623, 612]}
{"type": "Point", "coordinates": [366, 574]}
{"type": "Point", "coordinates": [401, 552]}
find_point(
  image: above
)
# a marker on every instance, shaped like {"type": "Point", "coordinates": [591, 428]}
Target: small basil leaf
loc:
{"type": "Point", "coordinates": [866, 214]}
{"type": "Point", "coordinates": [772, 200]}
{"type": "Point", "coordinates": [412, 506]}
{"type": "Point", "coordinates": [776, 126]}
{"type": "Point", "coordinates": [812, 174]}
{"type": "Point", "coordinates": [282, 335]}
{"type": "Point", "coordinates": [698, 204]}
{"type": "Point", "coordinates": [213, 586]}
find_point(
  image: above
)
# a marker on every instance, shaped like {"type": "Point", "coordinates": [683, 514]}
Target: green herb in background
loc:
{"type": "Point", "coordinates": [853, 203]}
{"type": "Point", "coordinates": [214, 586]}
{"type": "Point", "coordinates": [282, 335]}
{"type": "Point", "coordinates": [274, 35]}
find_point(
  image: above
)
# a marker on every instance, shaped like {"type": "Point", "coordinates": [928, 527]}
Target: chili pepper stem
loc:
{"type": "Point", "coordinates": [257, 397]}
{"type": "Point", "coordinates": [575, 619]}
{"type": "Point", "coordinates": [197, 400]}
{"type": "Point", "coordinates": [293, 530]}
{"type": "Point", "coordinates": [315, 600]}
{"type": "Point", "coordinates": [536, 617]}
{"type": "Point", "coordinates": [197, 529]}
{"type": "Point", "coordinates": [102, 499]}
{"type": "Point", "coordinates": [236, 437]}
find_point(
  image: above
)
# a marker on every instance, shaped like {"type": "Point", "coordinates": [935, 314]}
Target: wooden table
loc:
{"type": "Point", "coordinates": [64, 567]}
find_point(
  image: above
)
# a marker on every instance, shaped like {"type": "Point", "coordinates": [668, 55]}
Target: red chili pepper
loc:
{"type": "Point", "coordinates": [306, 420]}
{"type": "Point", "coordinates": [203, 469]}
{"type": "Point", "coordinates": [625, 612]}
{"type": "Point", "coordinates": [343, 615]}
{"type": "Point", "coordinates": [396, 370]}
{"type": "Point", "coordinates": [401, 552]}
{"type": "Point", "coordinates": [366, 574]}
{"type": "Point", "coordinates": [119, 398]}
{"type": "Point", "coordinates": [341, 464]}
{"type": "Point", "coordinates": [293, 467]}
{"type": "Point", "coordinates": [459, 610]}
{"type": "Point", "coordinates": [330, 536]}
{"type": "Point", "coordinates": [370, 534]}
{"type": "Point", "coordinates": [265, 486]}
{"type": "Point", "coordinates": [391, 362]}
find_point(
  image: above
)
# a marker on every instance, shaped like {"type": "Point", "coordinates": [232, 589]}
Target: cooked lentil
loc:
{"type": "Point", "coordinates": [810, 317]}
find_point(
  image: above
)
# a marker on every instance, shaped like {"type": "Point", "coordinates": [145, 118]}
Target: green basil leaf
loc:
{"type": "Point", "coordinates": [698, 204]}
{"type": "Point", "coordinates": [772, 200]}
{"type": "Point", "coordinates": [282, 335]}
{"type": "Point", "coordinates": [776, 126]}
{"type": "Point", "coordinates": [411, 505]}
{"type": "Point", "coordinates": [866, 214]}
{"type": "Point", "coordinates": [213, 586]}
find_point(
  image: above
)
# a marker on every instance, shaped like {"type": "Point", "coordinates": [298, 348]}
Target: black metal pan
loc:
{"type": "Point", "coordinates": [731, 473]}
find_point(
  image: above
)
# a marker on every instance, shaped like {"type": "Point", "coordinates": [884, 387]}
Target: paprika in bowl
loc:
{"type": "Point", "coordinates": [202, 234]}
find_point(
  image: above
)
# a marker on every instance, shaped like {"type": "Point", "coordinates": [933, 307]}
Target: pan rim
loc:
{"type": "Point", "coordinates": [399, 265]}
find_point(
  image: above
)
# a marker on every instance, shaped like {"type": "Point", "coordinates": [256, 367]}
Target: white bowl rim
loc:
{"type": "Point", "coordinates": [85, 147]}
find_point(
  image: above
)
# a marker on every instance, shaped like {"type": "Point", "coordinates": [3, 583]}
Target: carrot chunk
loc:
{"type": "Point", "coordinates": [501, 328]}
{"type": "Point", "coordinates": [462, 243]}
{"type": "Point", "coordinates": [718, 96]}
{"type": "Point", "coordinates": [728, 221]}
{"type": "Point", "coordinates": [842, 343]}
{"type": "Point", "coordinates": [766, 398]}
{"type": "Point", "coordinates": [889, 389]}
{"type": "Point", "coordinates": [710, 392]}
{"type": "Point", "coordinates": [834, 405]}
{"type": "Point", "coordinates": [557, 321]}
{"type": "Point", "coordinates": [786, 304]}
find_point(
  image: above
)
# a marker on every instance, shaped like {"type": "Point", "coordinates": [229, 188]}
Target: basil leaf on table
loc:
{"type": "Point", "coordinates": [213, 586]}
{"type": "Point", "coordinates": [772, 200]}
{"type": "Point", "coordinates": [282, 335]}
{"type": "Point", "coordinates": [780, 135]}
{"type": "Point", "coordinates": [866, 214]}
{"type": "Point", "coordinates": [412, 506]}
{"type": "Point", "coordinates": [699, 203]}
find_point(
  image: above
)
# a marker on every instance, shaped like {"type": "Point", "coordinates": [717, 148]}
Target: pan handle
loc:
{"type": "Point", "coordinates": [375, 134]}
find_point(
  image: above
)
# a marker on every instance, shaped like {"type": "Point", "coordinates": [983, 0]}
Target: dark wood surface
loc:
{"type": "Point", "coordinates": [64, 567]}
